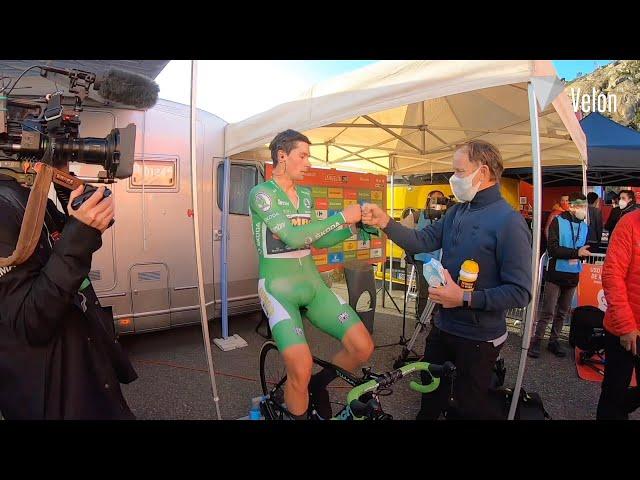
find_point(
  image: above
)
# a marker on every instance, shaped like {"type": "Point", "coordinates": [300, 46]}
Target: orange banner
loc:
{"type": "Point", "coordinates": [590, 290]}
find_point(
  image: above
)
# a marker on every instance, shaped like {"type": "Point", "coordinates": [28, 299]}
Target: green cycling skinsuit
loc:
{"type": "Point", "coordinates": [289, 279]}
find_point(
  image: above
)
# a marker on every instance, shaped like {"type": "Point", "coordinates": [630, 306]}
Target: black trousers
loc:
{"type": "Point", "coordinates": [617, 399]}
{"type": "Point", "coordinates": [474, 361]}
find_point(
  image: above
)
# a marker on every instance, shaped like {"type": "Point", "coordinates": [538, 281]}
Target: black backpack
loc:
{"type": "Point", "coordinates": [530, 406]}
{"type": "Point", "coordinates": [586, 330]}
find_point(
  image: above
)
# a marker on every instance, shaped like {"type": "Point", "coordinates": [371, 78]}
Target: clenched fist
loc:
{"type": "Point", "coordinates": [373, 215]}
{"type": "Point", "coordinates": [352, 214]}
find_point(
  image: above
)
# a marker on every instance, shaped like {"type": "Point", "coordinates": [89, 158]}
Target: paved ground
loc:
{"type": "Point", "coordinates": [174, 383]}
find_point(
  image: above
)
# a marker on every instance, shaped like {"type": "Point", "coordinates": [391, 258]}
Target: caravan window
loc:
{"type": "Point", "coordinates": [243, 179]}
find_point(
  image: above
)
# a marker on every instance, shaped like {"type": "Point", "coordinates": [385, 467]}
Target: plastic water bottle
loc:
{"type": "Point", "coordinates": [254, 413]}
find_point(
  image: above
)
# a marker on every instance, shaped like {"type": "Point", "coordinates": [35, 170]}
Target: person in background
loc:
{"type": "Point", "coordinates": [567, 238]}
{"type": "Point", "coordinates": [595, 222]}
{"type": "Point", "coordinates": [434, 208]}
{"type": "Point", "coordinates": [558, 208]}
{"type": "Point", "coordinates": [614, 214]}
{"type": "Point", "coordinates": [626, 204]}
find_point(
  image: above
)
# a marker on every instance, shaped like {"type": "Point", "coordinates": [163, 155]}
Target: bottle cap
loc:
{"type": "Point", "coordinates": [470, 266]}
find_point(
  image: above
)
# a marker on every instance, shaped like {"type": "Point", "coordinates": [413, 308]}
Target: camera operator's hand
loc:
{"type": "Point", "coordinates": [96, 211]}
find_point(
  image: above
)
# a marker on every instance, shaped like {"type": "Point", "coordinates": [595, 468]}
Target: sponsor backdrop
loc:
{"type": "Point", "coordinates": [332, 191]}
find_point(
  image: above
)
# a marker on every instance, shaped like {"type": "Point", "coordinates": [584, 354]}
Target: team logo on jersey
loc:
{"type": "Point", "coordinates": [298, 221]}
{"type": "Point", "coordinates": [299, 331]}
{"type": "Point", "coordinates": [263, 201]}
{"type": "Point", "coordinates": [308, 241]}
{"type": "Point", "coordinates": [307, 202]}
{"type": "Point", "coordinates": [343, 317]}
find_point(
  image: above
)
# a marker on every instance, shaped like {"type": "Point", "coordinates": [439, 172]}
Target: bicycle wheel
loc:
{"type": "Point", "coordinates": [273, 376]}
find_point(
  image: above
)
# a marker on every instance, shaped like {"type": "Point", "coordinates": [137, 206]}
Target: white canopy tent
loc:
{"type": "Point", "coordinates": [407, 116]}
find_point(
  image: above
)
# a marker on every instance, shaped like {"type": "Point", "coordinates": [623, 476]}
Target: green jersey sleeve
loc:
{"type": "Point", "coordinates": [263, 204]}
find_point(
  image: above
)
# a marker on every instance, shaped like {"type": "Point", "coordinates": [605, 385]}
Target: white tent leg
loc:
{"type": "Point", "coordinates": [391, 242]}
{"type": "Point", "coordinates": [535, 259]}
{"type": "Point", "coordinates": [196, 228]}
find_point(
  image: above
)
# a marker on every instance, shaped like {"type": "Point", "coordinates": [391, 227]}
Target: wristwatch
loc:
{"type": "Point", "coordinates": [466, 299]}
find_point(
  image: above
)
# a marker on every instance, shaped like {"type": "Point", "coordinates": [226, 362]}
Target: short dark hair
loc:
{"type": "Point", "coordinates": [577, 196]}
{"type": "Point", "coordinates": [592, 197]}
{"type": "Point", "coordinates": [484, 153]}
{"type": "Point", "coordinates": [287, 141]}
{"type": "Point", "coordinates": [630, 194]}
{"type": "Point", "coordinates": [433, 192]}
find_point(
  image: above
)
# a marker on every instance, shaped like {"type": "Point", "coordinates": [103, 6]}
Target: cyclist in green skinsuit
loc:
{"type": "Point", "coordinates": [284, 228]}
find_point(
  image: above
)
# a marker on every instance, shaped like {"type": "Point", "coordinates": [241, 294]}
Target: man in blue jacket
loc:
{"type": "Point", "coordinates": [470, 327]}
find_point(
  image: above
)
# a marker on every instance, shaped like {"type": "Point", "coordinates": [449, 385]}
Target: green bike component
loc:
{"type": "Point", "coordinates": [371, 385]}
{"type": "Point", "coordinates": [289, 279]}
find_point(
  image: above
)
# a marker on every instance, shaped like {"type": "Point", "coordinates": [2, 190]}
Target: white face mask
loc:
{"type": "Point", "coordinates": [463, 188]}
{"type": "Point", "coordinates": [623, 204]}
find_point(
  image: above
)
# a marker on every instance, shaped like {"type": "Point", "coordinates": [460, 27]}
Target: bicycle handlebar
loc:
{"type": "Point", "coordinates": [360, 409]}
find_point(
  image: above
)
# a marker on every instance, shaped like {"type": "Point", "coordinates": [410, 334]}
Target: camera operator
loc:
{"type": "Point", "coordinates": [59, 358]}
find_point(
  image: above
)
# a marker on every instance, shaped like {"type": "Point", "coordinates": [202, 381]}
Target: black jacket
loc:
{"type": "Point", "coordinates": [59, 358]}
{"type": "Point", "coordinates": [595, 226]}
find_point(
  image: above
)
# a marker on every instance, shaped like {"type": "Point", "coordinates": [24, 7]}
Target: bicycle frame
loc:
{"type": "Point", "coordinates": [371, 382]}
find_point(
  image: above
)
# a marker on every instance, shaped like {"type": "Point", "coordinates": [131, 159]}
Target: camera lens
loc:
{"type": "Point", "coordinates": [114, 152]}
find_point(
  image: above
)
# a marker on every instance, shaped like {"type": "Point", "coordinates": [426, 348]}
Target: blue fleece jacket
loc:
{"type": "Point", "coordinates": [492, 233]}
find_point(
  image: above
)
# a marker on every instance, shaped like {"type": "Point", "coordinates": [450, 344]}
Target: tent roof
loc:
{"type": "Point", "coordinates": [611, 146]}
{"type": "Point", "coordinates": [409, 115]}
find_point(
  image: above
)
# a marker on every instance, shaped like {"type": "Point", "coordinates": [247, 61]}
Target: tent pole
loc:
{"type": "Point", "coordinates": [196, 227]}
{"type": "Point", "coordinates": [224, 248]}
{"type": "Point", "coordinates": [535, 258]}
{"type": "Point", "coordinates": [391, 171]}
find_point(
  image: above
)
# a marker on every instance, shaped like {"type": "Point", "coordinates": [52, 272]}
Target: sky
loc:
{"type": "Point", "coordinates": [237, 89]}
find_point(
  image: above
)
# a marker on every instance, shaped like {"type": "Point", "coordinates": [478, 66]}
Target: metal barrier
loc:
{"type": "Point", "coordinates": [595, 258]}
{"type": "Point", "coordinates": [516, 317]}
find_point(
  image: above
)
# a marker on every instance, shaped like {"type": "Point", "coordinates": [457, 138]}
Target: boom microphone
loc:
{"type": "Point", "coordinates": [127, 88]}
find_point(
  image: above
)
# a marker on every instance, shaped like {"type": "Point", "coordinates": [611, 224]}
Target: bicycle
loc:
{"type": "Point", "coordinates": [273, 371]}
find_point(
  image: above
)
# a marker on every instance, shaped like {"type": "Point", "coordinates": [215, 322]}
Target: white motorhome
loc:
{"type": "Point", "coordinates": [146, 268]}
